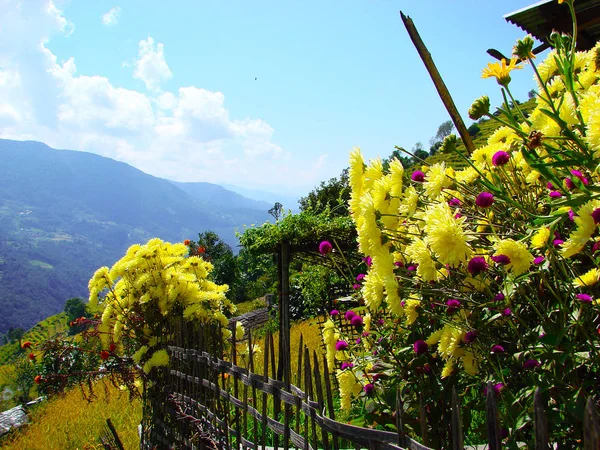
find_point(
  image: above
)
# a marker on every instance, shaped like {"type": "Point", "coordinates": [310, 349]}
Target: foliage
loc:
{"type": "Point", "coordinates": [485, 274]}
{"type": "Point", "coordinates": [313, 289]}
{"type": "Point", "coordinates": [19, 378]}
{"type": "Point", "coordinates": [331, 196]}
{"type": "Point", "coordinates": [474, 130]}
{"type": "Point", "coordinates": [74, 309]}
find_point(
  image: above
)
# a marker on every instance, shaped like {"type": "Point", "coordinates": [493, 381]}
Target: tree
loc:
{"type": "Point", "coordinates": [211, 248]}
{"type": "Point", "coordinates": [474, 130]}
{"type": "Point", "coordinates": [75, 308]}
{"type": "Point", "coordinates": [22, 378]}
{"type": "Point", "coordinates": [531, 94]}
{"type": "Point", "coordinates": [444, 130]}
{"type": "Point", "coordinates": [276, 211]}
{"type": "Point", "coordinates": [333, 194]}
{"type": "Point", "coordinates": [419, 152]}
{"type": "Point", "coordinates": [16, 334]}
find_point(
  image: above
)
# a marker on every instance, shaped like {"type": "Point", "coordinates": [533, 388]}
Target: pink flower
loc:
{"type": "Point", "coordinates": [346, 365]}
{"type": "Point", "coordinates": [349, 315]}
{"type": "Point", "coordinates": [569, 184]}
{"type": "Point", "coordinates": [418, 176]}
{"type": "Point", "coordinates": [454, 202]}
{"type": "Point", "coordinates": [501, 259]}
{"type": "Point", "coordinates": [325, 247]}
{"type": "Point", "coordinates": [500, 158]}
{"type": "Point", "coordinates": [531, 364]}
{"type": "Point", "coordinates": [477, 265]}
{"type": "Point", "coordinates": [549, 185]}
{"type": "Point", "coordinates": [470, 336]}
{"type": "Point", "coordinates": [334, 312]}
{"type": "Point", "coordinates": [499, 297]}
{"type": "Point", "coordinates": [596, 215]}
{"type": "Point", "coordinates": [453, 305]}
{"type": "Point", "coordinates": [341, 345]}
{"type": "Point", "coordinates": [571, 215]}
{"type": "Point", "coordinates": [584, 298]}
{"type": "Point", "coordinates": [497, 349]}
{"type": "Point", "coordinates": [369, 389]}
{"type": "Point", "coordinates": [360, 277]}
{"type": "Point", "coordinates": [555, 194]}
{"type": "Point", "coordinates": [578, 174]}
{"type": "Point", "coordinates": [538, 260]}
{"type": "Point", "coordinates": [506, 312]}
{"type": "Point", "coordinates": [368, 261]}
{"type": "Point", "coordinates": [485, 200]}
{"type": "Point", "coordinates": [356, 321]}
{"type": "Point", "coordinates": [420, 347]}
{"type": "Point", "coordinates": [356, 286]}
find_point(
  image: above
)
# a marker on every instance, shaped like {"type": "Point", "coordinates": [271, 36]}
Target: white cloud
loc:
{"type": "Point", "coordinates": [151, 67]}
{"type": "Point", "coordinates": [112, 16]}
{"type": "Point", "coordinates": [185, 135]}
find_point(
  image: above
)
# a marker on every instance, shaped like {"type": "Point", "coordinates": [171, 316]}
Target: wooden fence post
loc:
{"type": "Point", "coordinates": [399, 422]}
{"type": "Point", "coordinates": [591, 428]}
{"type": "Point", "coordinates": [493, 422]}
{"type": "Point", "coordinates": [540, 424]}
{"type": "Point", "coordinates": [457, 431]}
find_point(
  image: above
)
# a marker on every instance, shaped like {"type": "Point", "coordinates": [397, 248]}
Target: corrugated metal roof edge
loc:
{"type": "Point", "coordinates": [535, 5]}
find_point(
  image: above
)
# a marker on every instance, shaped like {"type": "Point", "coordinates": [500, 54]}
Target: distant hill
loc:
{"type": "Point", "coordinates": [288, 201]}
{"type": "Point", "coordinates": [65, 213]}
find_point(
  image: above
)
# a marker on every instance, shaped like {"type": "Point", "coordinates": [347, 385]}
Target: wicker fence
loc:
{"type": "Point", "coordinates": [206, 400]}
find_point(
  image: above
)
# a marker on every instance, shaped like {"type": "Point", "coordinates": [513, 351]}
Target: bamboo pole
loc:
{"type": "Point", "coordinates": [438, 82]}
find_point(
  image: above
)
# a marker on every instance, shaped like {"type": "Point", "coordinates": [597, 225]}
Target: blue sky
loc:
{"type": "Point", "coordinates": [170, 87]}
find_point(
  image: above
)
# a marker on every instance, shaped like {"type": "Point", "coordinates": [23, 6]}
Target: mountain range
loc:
{"type": "Point", "coordinates": [65, 213]}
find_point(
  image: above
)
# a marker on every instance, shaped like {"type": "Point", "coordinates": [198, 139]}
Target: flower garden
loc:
{"type": "Point", "coordinates": [484, 276]}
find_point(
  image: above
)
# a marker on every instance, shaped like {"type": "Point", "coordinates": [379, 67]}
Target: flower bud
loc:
{"type": "Point", "coordinates": [523, 48]}
{"type": "Point", "coordinates": [480, 108]}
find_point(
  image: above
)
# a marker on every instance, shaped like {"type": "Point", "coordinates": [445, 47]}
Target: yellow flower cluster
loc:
{"type": "Point", "coordinates": [151, 282]}
{"type": "Point", "coordinates": [439, 225]}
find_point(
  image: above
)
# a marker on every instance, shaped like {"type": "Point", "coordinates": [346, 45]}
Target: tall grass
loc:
{"type": "Point", "coordinates": [70, 422]}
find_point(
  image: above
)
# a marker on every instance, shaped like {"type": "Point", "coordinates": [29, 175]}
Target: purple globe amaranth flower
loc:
{"type": "Point", "coordinates": [349, 315]}
{"type": "Point", "coordinates": [380, 322]}
{"type": "Point", "coordinates": [503, 433]}
{"type": "Point", "coordinates": [584, 298]}
{"type": "Point", "coordinates": [531, 364]}
{"type": "Point", "coordinates": [376, 376]}
{"type": "Point", "coordinates": [346, 365]}
{"type": "Point", "coordinates": [470, 336]}
{"type": "Point", "coordinates": [399, 264]}
{"type": "Point", "coordinates": [569, 184]}
{"type": "Point", "coordinates": [496, 349]}
{"type": "Point", "coordinates": [356, 321]}
{"type": "Point", "coordinates": [418, 176]}
{"type": "Point", "coordinates": [558, 242]}
{"type": "Point", "coordinates": [358, 340]}
{"type": "Point", "coordinates": [578, 174]}
{"type": "Point", "coordinates": [571, 215]}
{"type": "Point", "coordinates": [365, 334]}
{"type": "Point", "coordinates": [538, 260]}
{"type": "Point", "coordinates": [341, 345]}
{"type": "Point", "coordinates": [453, 305]}
{"type": "Point", "coordinates": [496, 388]}
{"type": "Point", "coordinates": [412, 268]}
{"type": "Point", "coordinates": [368, 261]}
{"type": "Point", "coordinates": [506, 312]}
{"type": "Point", "coordinates": [485, 200]}
{"type": "Point", "coordinates": [477, 265]}
{"type": "Point", "coordinates": [499, 297]}
{"type": "Point", "coordinates": [501, 259]}
{"type": "Point", "coordinates": [457, 215]}
{"type": "Point", "coordinates": [325, 247]}
{"type": "Point", "coordinates": [369, 389]}
{"type": "Point", "coordinates": [596, 215]}
{"type": "Point", "coordinates": [550, 186]}
{"type": "Point", "coordinates": [595, 247]}
{"type": "Point", "coordinates": [420, 347]}
{"type": "Point", "coordinates": [360, 277]}
{"type": "Point", "coordinates": [555, 194]}
{"type": "Point", "coordinates": [334, 312]}
{"type": "Point", "coordinates": [356, 286]}
{"type": "Point", "coordinates": [500, 158]}
{"type": "Point", "coordinates": [454, 202]}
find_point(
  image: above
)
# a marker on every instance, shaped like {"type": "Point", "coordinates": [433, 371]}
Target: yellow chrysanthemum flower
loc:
{"type": "Point", "coordinates": [446, 235]}
{"type": "Point", "coordinates": [520, 258]}
{"type": "Point", "coordinates": [501, 71]}
{"type": "Point", "coordinates": [586, 227]}
{"type": "Point", "coordinates": [589, 278]}
{"type": "Point", "coordinates": [419, 253]}
{"type": "Point", "coordinates": [448, 369]}
{"type": "Point", "coordinates": [410, 310]}
{"type": "Point", "coordinates": [539, 239]}
{"type": "Point", "coordinates": [349, 388]}
{"type": "Point", "coordinates": [159, 358]}
{"type": "Point", "coordinates": [437, 179]}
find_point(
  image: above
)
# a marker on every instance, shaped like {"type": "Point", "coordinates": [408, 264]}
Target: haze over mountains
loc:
{"type": "Point", "coordinates": [65, 213]}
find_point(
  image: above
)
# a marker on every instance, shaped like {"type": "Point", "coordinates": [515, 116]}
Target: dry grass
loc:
{"type": "Point", "coordinates": [70, 422]}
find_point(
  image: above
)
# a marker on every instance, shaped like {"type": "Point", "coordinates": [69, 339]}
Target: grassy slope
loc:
{"type": "Point", "coordinates": [487, 128]}
{"type": "Point", "coordinates": [39, 333]}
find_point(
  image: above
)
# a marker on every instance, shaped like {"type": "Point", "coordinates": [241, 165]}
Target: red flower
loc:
{"type": "Point", "coordinates": [201, 250]}
{"type": "Point", "coordinates": [104, 355]}
{"type": "Point", "coordinates": [38, 379]}
{"type": "Point", "coordinates": [112, 347]}
{"type": "Point", "coordinates": [187, 242]}
{"type": "Point", "coordinates": [31, 356]}
{"type": "Point", "coordinates": [26, 344]}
